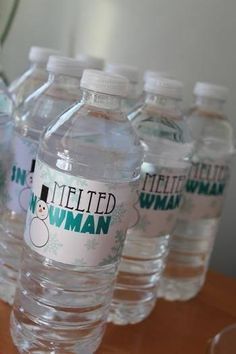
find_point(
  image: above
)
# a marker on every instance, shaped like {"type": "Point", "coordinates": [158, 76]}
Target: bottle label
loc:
{"type": "Point", "coordinates": [158, 201]}
{"type": "Point", "coordinates": [20, 177]}
{"type": "Point", "coordinates": [204, 191]}
{"type": "Point", "coordinates": [77, 221]}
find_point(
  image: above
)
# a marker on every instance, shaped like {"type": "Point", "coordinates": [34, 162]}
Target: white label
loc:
{"type": "Point", "coordinates": [205, 189]}
{"type": "Point", "coordinates": [21, 174]}
{"type": "Point", "coordinates": [77, 221]}
{"type": "Point", "coordinates": [158, 201]}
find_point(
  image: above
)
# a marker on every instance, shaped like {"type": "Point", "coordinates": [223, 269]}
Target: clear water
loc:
{"type": "Point", "coordinates": [30, 120]}
{"type": "Point", "coordinates": [27, 83]}
{"type": "Point", "coordinates": [166, 142]}
{"type": "Point", "coordinates": [193, 238]}
{"type": "Point", "coordinates": [74, 301]}
{"type": "Point", "coordinates": [190, 249]}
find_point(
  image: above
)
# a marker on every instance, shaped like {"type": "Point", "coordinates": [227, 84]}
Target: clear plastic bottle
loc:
{"type": "Point", "coordinates": [6, 110]}
{"type": "Point", "coordinates": [34, 77]}
{"type": "Point", "coordinates": [84, 185]}
{"type": "Point", "coordinates": [199, 218]}
{"type": "Point", "coordinates": [132, 100]}
{"type": "Point", "coordinates": [39, 109]}
{"type": "Point", "coordinates": [90, 61]}
{"type": "Point", "coordinates": [162, 130]}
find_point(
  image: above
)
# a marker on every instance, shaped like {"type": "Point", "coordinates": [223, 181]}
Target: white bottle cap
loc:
{"type": "Point", "coordinates": [148, 74]}
{"type": "Point", "coordinates": [103, 82]}
{"type": "Point", "coordinates": [130, 72]}
{"type": "Point", "coordinates": [164, 87]}
{"type": "Point", "coordinates": [91, 62]}
{"type": "Point", "coordinates": [40, 55]}
{"type": "Point", "coordinates": [206, 89]}
{"type": "Point", "coordinates": [65, 65]}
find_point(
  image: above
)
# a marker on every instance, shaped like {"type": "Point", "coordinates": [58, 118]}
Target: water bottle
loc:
{"type": "Point", "coordinates": [90, 61]}
{"type": "Point", "coordinates": [198, 221]}
{"type": "Point", "coordinates": [131, 102]}
{"type": "Point", "coordinates": [6, 109]}
{"type": "Point", "coordinates": [167, 144]}
{"type": "Point", "coordinates": [39, 109]}
{"type": "Point", "coordinates": [84, 186]}
{"type": "Point", "coordinates": [34, 77]}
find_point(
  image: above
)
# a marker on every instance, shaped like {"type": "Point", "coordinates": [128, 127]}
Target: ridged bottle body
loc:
{"type": "Point", "coordinates": [198, 221]}
{"type": "Point", "coordinates": [31, 117]}
{"type": "Point", "coordinates": [166, 143]}
{"type": "Point", "coordinates": [73, 300]}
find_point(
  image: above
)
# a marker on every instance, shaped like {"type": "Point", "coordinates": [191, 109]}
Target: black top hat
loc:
{"type": "Point", "coordinates": [32, 168]}
{"type": "Point", "coordinates": [44, 193]}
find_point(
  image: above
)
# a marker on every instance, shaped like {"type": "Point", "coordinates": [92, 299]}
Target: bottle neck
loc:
{"type": "Point", "coordinates": [101, 100]}
{"type": "Point", "coordinates": [163, 102]}
{"type": "Point", "coordinates": [62, 80]}
{"type": "Point", "coordinates": [134, 90]}
{"type": "Point", "coordinates": [209, 104]}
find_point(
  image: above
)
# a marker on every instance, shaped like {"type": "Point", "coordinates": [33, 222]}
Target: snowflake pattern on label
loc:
{"type": "Point", "coordinates": [77, 221]}
{"type": "Point", "coordinates": [158, 201]}
{"type": "Point", "coordinates": [20, 178]}
{"type": "Point", "coordinates": [205, 189]}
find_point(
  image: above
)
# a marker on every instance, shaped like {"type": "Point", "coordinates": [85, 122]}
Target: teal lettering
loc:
{"type": "Point", "coordinates": [56, 216]}
{"type": "Point", "coordinates": [191, 186]}
{"type": "Point", "coordinates": [33, 202]}
{"type": "Point", "coordinates": [73, 223]}
{"type": "Point", "coordinates": [103, 224]}
{"type": "Point", "coordinates": [20, 176]}
{"type": "Point", "coordinates": [204, 188]}
{"type": "Point", "coordinates": [160, 202]}
{"type": "Point", "coordinates": [146, 200]}
{"type": "Point", "coordinates": [88, 225]}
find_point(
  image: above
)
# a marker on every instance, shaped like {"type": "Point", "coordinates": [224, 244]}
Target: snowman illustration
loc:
{"type": "Point", "coordinates": [25, 193]}
{"type": "Point", "coordinates": [38, 229]}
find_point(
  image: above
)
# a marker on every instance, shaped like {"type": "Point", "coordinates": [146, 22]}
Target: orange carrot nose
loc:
{"type": "Point", "coordinates": [40, 210]}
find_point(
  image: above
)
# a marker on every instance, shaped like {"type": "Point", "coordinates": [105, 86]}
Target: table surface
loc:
{"type": "Point", "coordinates": [173, 327]}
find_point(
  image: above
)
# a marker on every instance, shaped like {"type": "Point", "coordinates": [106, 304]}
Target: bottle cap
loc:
{"type": "Point", "coordinates": [40, 55]}
{"type": "Point", "coordinates": [148, 74]}
{"type": "Point", "coordinates": [65, 65]}
{"type": "Point", "coordinates": [103, 82]}
{"type": "Point", "coordinates": [164, 87]}
{"type": "Point", "coordinates": [91, 62]}
{"type": "Point", "coordinates": [206, 89]}
{"type": "Point", "coordinates": [130, 72]}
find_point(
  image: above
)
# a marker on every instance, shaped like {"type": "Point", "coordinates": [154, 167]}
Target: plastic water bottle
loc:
{"type": "Point", "coordinates": [6, 109]}
{"type": "Point", "coordinates": [198, 221]}
{"type": "Point", "coordinates": [162, 130]}
{"type": "Point", "coordinates": [59, 93]}
{"type": "Point", "coordinates": [34, 77]}
{"type": "Point", "coordinates": [132, 101]}
{"type": "Point", "coordinates": [90, 61]}
{"type": "Point", "coordinates": [83, 189]}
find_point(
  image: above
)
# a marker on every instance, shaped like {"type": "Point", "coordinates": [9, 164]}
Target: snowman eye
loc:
{"type": "Point", "coordinates": [43, 208]}
{"type": "Point", "coordinates": [40, 205]}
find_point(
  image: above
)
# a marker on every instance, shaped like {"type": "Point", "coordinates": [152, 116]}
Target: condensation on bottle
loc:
{"type": "Point", "coordinates": [198, 221]}
{"type": "Point", "coordinates": [31, 117]}
{"type": "Point", "coordinates": [84, 185]}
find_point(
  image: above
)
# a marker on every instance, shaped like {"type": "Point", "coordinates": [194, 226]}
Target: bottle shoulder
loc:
{"type": "Point", "coordinates": [99, 140]}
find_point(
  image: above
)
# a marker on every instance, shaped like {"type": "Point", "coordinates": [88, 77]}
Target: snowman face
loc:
{"type": "Point", "coordinates": [29, 179]}
{"type": "Point", "coordinates": [41, 210]}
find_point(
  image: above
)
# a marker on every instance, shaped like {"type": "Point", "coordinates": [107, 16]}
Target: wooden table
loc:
{"type": "Point", "coordinates": [173, 327]}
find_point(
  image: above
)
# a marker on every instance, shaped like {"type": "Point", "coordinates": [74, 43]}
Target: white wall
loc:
{"type": "Point", "coordinates": [193, 39]}
{"type": "Point", "coordinates": [47, 23]}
